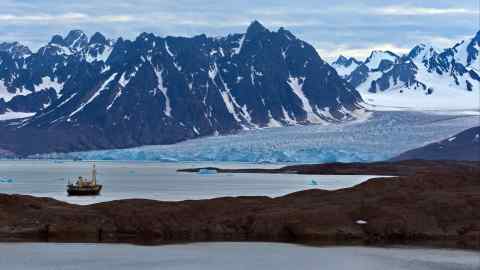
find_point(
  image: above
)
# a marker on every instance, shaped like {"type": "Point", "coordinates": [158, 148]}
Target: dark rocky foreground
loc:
{"type": "Point", "coordinates": [439, 205]}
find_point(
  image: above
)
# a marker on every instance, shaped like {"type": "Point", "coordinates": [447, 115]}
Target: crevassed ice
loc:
{"type": "Point", "coordinates": [382, 136]}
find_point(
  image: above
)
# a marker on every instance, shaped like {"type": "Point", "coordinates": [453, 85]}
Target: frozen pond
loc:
{"type": "Point", "coordinates": [156, 180]}
{"type": "Point", "coordinates": [212, 256]}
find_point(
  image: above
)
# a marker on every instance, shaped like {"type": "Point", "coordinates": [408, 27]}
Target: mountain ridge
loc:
{"type": "Point", "coordinates": [344, 66]}
{"type": "Point", "coordinates": [425, 77]}
{"type": "Point", "coordinates": [156, 90]}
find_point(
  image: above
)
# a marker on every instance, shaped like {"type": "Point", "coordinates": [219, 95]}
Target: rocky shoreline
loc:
{"type": "Point", "coordinates": [431, 202]}
{"type": "Point", "coordinates": [390, 168]}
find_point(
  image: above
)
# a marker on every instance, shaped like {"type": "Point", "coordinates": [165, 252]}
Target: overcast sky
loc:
{"type": "Point", "coordinates": [352, 28]}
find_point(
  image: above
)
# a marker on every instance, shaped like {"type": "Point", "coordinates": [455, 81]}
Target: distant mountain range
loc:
{"type": "Point", "coordinates": [86, 93]}
{"type": "Point", "coordinates": [345, 66]}
{"type": "Point", "coordinates": [462, 146]}
{"type": "Point", "coordinates": [426, 77]}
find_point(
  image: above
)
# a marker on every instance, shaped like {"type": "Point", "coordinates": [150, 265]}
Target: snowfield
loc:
{"type": "Point", "coordinates": [384, 135]}
{"type": "Point", "coordinates": [416, 100]}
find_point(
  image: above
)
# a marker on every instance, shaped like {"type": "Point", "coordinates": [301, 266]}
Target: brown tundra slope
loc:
{"type": "Point", "coordinates": [462, 146]}
{"type": "Point", "coordinates": [429, 206]}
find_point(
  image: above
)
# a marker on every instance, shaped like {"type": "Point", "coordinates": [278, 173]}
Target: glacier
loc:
{"type": "Point", "coordinates": [383, 135]}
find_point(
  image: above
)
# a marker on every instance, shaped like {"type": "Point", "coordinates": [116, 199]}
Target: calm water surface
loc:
{"type": "Point", "coordinates": [154, 180]}
{"type": "Point", "coordinates": [231, 256]}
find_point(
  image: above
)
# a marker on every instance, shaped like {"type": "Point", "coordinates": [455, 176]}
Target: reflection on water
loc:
{"type": "Point", "coordinates": [159, 181]}
{"type": "Point", "coordinates": [230, 256]}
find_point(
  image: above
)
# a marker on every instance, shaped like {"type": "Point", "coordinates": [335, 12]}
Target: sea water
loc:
{"type": "Point", "coordinates": [157, 180]}
{"type": "Point", "coordinates": [231, 255]}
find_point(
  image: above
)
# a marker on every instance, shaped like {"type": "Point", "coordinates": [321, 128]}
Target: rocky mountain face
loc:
{"type": "Point", "coordinates": [463, 146]}
{"type": "Point", "coordinates": [30, 82]}
{"type": "Point", "coordinates": [425, 75]}
{"type": "Point", "coordinates": [100, 93]}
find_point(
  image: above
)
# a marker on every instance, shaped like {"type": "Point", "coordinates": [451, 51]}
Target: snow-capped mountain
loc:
{"type": "Point", "coordinates": [426, 77]}
{"type": "Point", "coordinates": [345, 66]}
{"type": "Point", "coordinates": [30, 82]}
{"type": "Point", "coordinates": [156, 90]}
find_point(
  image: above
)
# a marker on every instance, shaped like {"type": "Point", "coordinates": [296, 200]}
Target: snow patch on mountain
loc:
{"type": "Point", "coordinates": [7, 95]}
{"type": "Point", "coordinates": [163, 90]}
{"type": "Point", "coordinates": [102, 88]}
{"type": "Point", "coordinates": [238, 49]}
{"type": "Point", "coordinates": [345, 71]}
{"type": "Point", "coordinates": [47, 82]}
{"type": "Point", "coordinates": [103, 56]}
{"type": "Point", "coordinates": [10, 115]}
{"type": "Point", "coordinates": [296, 84]}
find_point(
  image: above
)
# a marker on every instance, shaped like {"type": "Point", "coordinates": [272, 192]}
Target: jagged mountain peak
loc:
{"type": "Point", "coordinates": [256, 28]}
{"type": "Point", "coordinates": [341, 60]}
{"type": "Point", "coordinates": [16, 49]}
{"type": "Point", "coordinates": [98, 38]}
{"type": "Point", "coordinates": [422, 51]}
{"type": "Point", "coordinates": [344, 66]}
{"type": "Point", "coordinates": [75, 34]}
{"type": "Point", "coordinates": [473, 51]}
{"type": "Point", "coordinates": [477, 37]}
{"type": "Point", "coordinates": [286, 33]}
{"type": "Point", "coordinates": [381, 53]}
{"type": "Point", "coordinates": [76, 39]}
{"type": "Point", "coordinates": [57, 40]}
{"type": "Point", "coordinates": [416, 50]}
{"type": "Point", "coordinates": [379, 59]}
{"type": "Point", "coordinates": [145, 36]}
{"type": "Point", "coordinates": [346, 61]}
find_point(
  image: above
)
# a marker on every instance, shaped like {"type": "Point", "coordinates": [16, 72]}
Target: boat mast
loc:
{"type": "Point", "coordinates": [94, 175]}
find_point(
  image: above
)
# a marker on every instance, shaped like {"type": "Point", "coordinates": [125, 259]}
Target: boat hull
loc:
{"type": "Point", "coordinates": [83, 191]}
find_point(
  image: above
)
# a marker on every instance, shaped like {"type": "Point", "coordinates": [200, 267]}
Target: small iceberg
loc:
{"type": "Point", "coordinates": [313, 183]}
{"type": "Point", "coordinates": [6, 180]}
{"type": "Point", "coordinates": [207, 171]}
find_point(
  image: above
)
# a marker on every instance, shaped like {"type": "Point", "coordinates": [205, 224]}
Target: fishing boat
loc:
{"type": "Point", "coordinates": [84, 187]}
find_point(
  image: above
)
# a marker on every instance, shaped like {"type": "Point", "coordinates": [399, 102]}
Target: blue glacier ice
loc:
{"type": "Point", "coordinates": [382, 136]}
